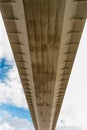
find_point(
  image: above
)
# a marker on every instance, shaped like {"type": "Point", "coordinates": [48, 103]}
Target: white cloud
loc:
{"type": "Point", "coordinates": [74, 108]}
{"type": "Point", "coordinates": [69, 128]}
{"type": "Point", "coordinates": [11, 92]}
{"type": "Point", "coordinates": [5, 49]}
{"type": "Point", "coordinates": [6, 126]}
{"type": "Point", "coordinates": [7, 122]}
{"type": "Point", "coordinates": [22, 124]}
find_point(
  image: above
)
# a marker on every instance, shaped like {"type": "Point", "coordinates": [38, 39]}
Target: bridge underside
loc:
{"type": "Point", "coordinates": [44, 36]}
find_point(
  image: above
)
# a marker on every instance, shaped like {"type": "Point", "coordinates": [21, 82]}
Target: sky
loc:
{"type": "Point", "coordinates": [14, 112]}
{"type": "Point", "coordinates": [73, 114]}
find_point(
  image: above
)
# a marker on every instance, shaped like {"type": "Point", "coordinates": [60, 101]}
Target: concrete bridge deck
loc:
{"type": "Point", "coordinates": [44, 36]}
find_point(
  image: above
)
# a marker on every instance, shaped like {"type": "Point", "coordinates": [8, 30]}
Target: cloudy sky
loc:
{"type": "Point", "coordinates": [14, 113]}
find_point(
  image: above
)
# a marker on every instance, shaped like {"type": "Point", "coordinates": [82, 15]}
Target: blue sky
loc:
{"type": "Point", "coordinates": [5, 66]}
{"type": "Point", "coordinates": [14, 112]}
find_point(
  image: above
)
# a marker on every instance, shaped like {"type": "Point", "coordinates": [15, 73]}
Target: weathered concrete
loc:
{"type": "Point", "coordinates": [44, 36]}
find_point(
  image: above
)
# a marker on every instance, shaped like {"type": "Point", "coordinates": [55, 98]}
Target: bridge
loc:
{"type": "Point", "coordinates": [44, 36]}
